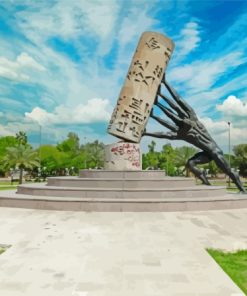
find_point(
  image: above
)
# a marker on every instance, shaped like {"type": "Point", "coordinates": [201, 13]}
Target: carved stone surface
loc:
{"type": "Point", "coordinates": [122, 156]}
{"type": "Point", "coordinates": [137, 96]}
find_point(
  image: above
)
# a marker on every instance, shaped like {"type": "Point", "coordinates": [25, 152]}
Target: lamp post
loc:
{"type": "Point", "coordinates": [167, 159]}
{"type": "Point", "coordinates": [85, 160]}
{"type": "Point", "coordinates": [167, 163]}
{"type": "Point", "coordinates": [40, 133]}
{"type": "Point", "coordinates": [229, 148]}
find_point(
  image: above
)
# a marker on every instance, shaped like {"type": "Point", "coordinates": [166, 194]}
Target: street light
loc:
{"type": "Point", "coordinates": [40, 133]}
{"type": "Point", "coordinates": [167, 163]}
{"type": "Point", "coordinates": [167, 159]}
{"type": "Point", "coordinates": [229, 148]}
{"type": "Point", "coordinates": [85, 160]}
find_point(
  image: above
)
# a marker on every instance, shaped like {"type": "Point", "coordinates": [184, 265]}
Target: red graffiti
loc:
{"type": "Point", "coordinates": [125, 148]}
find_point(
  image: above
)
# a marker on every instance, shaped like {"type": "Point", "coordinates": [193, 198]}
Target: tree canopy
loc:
{"type": "Point", "coordinates": [21, 157]}
{"type": "Point", "coordinates": [70, 155]}
{"type": "Point", "coordinates": [240, 152]}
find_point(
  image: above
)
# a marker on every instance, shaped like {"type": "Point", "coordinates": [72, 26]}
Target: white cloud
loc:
{"type": "Point", "coordinates": [10, 103]}
{"type": "Point", "coordinates": [233, 106]}
{"type": "Point", "coordinates": [96, 110]}
{"type": "Point", "coordinates": [134, 25]}
{"type": "Point", "coordinates": [189, 39]}
{"type": "Point", "coordinates": [70, 20]}
{"type": "Point", "coordinates": [219, 130]}
{"type": "Point", "coordinates": [65, 81]}
{"type": "Point", "coordinates": [16, 70]}
{"type": "Point", "coordinates": [201, 75]}
{"type": "Point", "coordinates": [25, 61]}
{"type": "Point", "coordinates": [5, 131]}
{"type": "Point", "coordinates": [215, 127]}
{"type": "Point", "coordinates": [233, 110]}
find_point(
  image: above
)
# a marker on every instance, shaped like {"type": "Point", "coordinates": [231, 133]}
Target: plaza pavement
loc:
{"type": "Point", "coordinates": [117, 254]}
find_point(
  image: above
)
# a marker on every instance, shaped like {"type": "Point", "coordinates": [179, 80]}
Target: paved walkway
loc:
{"type": "Point", "coordinates": [117, 254]}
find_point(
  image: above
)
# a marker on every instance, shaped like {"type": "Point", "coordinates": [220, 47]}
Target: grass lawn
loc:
{"type": "Point", "coordinates": [8, 183]}
{"type": "Point", "coordinates": [2, 250]}
{"type": "Point", "coordinates": [232, 187]}
{"type": "Point", "coordinates": [234, 264]}
{"type": "Point", "coordinates": [8, 187]}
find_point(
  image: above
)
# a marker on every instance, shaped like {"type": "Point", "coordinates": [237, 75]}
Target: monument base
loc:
{"type": "Point", "coordinates": [123, 156]}
{"type": "Point", "coordinates": [132, 191]}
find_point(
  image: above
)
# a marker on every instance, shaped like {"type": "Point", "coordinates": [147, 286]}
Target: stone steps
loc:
{"type": "Point", "coordinates": [121, 183]}
{"type": "Point", "coordinates": [194, 191]}
{"type": "Point", "coordinates": [152, 174]}
{"type": "Point", "coordinates": [102, 190]}
{"type": "Point", "coordinates": [9, 198]}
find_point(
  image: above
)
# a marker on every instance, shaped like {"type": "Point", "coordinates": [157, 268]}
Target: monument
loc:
{"type": "Point", "coordinates": [136, 98]}
{"type": "Point", "coordinates": [142, 90]}
{"type": "Point", "coordinates": [123, 185]}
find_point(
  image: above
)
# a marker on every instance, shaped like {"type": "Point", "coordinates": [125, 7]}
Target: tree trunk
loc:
{"type": "Point", "coordinates": [21, 176]}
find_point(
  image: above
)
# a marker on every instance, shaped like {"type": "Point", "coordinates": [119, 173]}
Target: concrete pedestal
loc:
{"type": "Point", "coordinates": [135, 191]}
{"type": "Point", "coordinates": [123, 156]}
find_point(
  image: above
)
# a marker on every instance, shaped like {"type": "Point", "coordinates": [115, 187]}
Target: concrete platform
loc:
{"type": "Point", "coordinates": [152, 174]}
{"type": "Point", "coordinates": [102, 192]}
{"type": "Point", "coordinates": [109, 191]}
{"type": "Point", "coordinates": [123, 183]}
{"type": "Point", "coordinates": [117, 254]}
{"type": "Point", "coordinates": [9, 198]}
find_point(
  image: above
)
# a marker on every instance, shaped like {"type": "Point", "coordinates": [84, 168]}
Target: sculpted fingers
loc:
{"type": "Point", "coordinates": [184, 105]}
{"type": "Point", "coordinates": [174, 106]}
{"type": "Point", "coordinates": [170, 114]}
{"type": "Point", "coordinates": [164, 123]}
{"type": "Point", "coordinates": [169, 135]}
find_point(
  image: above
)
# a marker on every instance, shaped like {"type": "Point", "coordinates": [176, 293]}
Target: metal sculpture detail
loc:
{"type": "Point", "coordinates": [186, 126]}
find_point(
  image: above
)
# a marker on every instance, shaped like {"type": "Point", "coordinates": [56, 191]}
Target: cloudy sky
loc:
{"type": "Point", "coordinates": [63, 62]}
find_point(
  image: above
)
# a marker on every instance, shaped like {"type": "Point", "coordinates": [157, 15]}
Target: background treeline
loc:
{"type": "Point", "coordinates": [173, 159]}
{"type": "Point", "coordinates": [69, 156]}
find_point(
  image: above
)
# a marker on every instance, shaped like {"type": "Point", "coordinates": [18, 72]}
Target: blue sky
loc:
{"type": "Point", "coordinates": [63, 62]}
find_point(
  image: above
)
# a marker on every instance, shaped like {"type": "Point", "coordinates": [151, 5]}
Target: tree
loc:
{"type": "Point", "coordinates": [71, 145]}
{"type": "Point", "coordinates": [53, 160]}
{"type": "Point", "coordinates": [213, 169]}
{"type": "Point", "coordinates": [150, 159]}
{"type": "Point", "coordinates": [241, 158]}
{"type": "Point", "coordinates": [167, 159]}
{"type": "Point", "coordinates": [183, 154]}
{"type": "Point", "coordinates": [151, 146]}
{"type": "Point", "coordinates": [21, 138]}
{"type": "Point", "coordinates": [22, 157]}
{"type": "Point", "coordinates": [5, 142]}
{"type": "Point", "coordinates": [94, 153]}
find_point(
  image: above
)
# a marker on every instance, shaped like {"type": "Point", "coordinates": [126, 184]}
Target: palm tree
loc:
{"type": "Point", "coordinates": [21, 156]}
{"type": "Point", "coordinates": [21, 137]}
{"type": "Point", "coordinates": [151, 146]}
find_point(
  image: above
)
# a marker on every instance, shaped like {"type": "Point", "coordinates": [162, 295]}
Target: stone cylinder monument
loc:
{"type": "Point", "coordinates": [138, 93]}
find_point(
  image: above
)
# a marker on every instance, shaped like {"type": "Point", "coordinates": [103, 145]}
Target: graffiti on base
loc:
{"type": "Point", "coordinates": [129, 152]}
{"type": "Point", "coordinates": [124, 155]}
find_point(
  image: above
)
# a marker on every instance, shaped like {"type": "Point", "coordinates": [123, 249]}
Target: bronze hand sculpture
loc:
{"type": "Point", "coordinates": [187, 127]}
